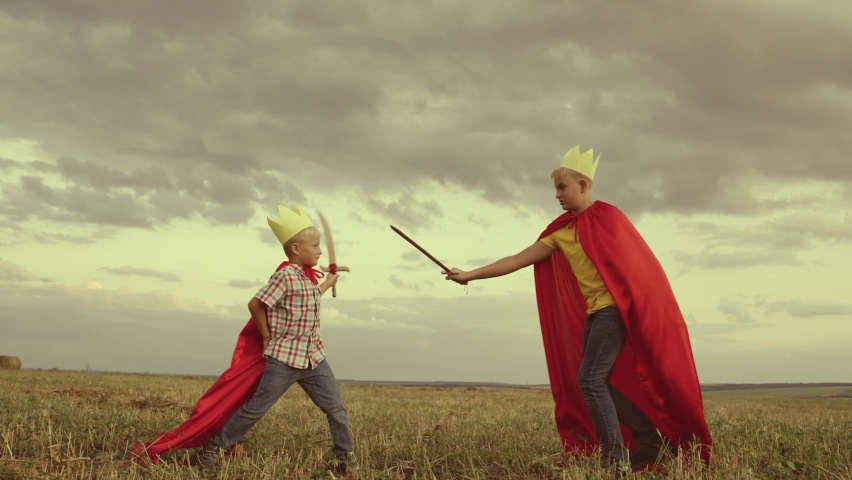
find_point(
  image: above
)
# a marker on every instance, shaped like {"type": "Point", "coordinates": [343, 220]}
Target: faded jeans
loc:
{"type": "Point", "coordinates": [602, 342]}
{"type": "Point", "coordinates": [318, 383]}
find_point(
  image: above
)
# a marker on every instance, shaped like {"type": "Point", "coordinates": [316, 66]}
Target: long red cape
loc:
{"type": "Point", "coordinates": [655, 369]}
{"type": "Point", "coordinates": [234, 388]}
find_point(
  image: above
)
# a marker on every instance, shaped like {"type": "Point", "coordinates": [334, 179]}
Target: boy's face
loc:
{"type": "Point", "coordinates": [570, 192]}
{"type": "Point", "coordinates": [308, 251]}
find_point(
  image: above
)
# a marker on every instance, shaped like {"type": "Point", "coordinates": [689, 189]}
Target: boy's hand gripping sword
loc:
{"type": "Point", "coordinates": [332, 263]}
{"type": "Point", "coordinates": [418, 247]}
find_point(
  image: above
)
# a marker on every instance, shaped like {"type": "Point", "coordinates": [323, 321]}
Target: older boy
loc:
{"type": "Point", "coordinates": [614, 336]}
{"type": "Point", "coordinates": [286, 312]}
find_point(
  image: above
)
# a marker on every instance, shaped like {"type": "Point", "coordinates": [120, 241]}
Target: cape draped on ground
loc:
{"type": "Point", "coordinates": [655, 370]}
{"type": "Point", "coordinates": [234, 388]}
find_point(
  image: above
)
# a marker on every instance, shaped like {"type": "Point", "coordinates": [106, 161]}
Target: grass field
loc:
{"type": "Point", "coordinates": [83, 425]}
{"type": "Point", "coordinates": [788, 392]}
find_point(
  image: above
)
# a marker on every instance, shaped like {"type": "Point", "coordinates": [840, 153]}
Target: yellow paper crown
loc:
{"type": "Point", "coordinates": [584, 163]}
{"type": "Point", "coordinates": [289, 223]}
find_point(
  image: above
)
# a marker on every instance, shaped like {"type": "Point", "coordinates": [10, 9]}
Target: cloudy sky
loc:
{"type": "Point", "coordinates": [143, 144]}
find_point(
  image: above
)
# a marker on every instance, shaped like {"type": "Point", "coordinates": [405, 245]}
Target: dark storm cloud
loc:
{"type": "Point", "coordinates": [143, 272]}
{"type": "Point", "coordinates": [7, 164]}
{"type": "Point", "coordinates": [266, 236]}
{"type": "Point", "coordinates": [777, 241]}
{"type": "Point", "coordinates": [411, 256]}
{"type": "Point", "coordinates": [412, 260]}
{"type": "Point", "coordinates": [399, 283]}
{"type": "Point", "coordinates": [34, 198]}
{"type": "Point", "coordinates": [94, 175]}
{"type": "Point", "coordinates": [690, 103]}
{"type": "Point", "coordinates": [15, 234]}
{"type": "Point", "coordinates": [11, 272]}
{"type": "Point", "coordinates": [84, 192]}
{"type": "Point", "coordinates": [54, 238]}
{"type": "Point", "coordinates": [736, 310]}
{"type": "Point", "coordinates": [482, 261]}
{"type": "Point", "coordinates": [407, 212]}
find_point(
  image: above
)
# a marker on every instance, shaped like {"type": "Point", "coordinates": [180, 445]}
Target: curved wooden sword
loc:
{"type": "Point", "coordinates": [332, 260]}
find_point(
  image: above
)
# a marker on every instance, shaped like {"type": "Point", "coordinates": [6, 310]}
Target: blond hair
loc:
{"type": "Point", "coordinates": [559, 172]}
{"type": "Point", "coordinates": [308, 233]}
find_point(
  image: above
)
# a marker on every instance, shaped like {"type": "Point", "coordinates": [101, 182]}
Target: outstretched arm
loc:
{"type": "Point", "coordinates": [530, 255]}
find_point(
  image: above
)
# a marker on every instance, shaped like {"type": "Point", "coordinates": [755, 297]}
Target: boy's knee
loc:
{"type": "Point", "coordinates": [337, 411]}
{"type": "Point", "coordinates": [336, 406]}
{"type": "Point", "coordinates": [584, 381]}
{"type": "Point", "coordinates": [260, 404]}
{"type": "Point", "coordinates": [588, 382]}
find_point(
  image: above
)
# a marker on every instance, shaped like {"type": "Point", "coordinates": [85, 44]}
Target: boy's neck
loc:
{"type": "Point", "coordinates": [295, 261]}
{"type": "Point", "coordinates": [586, 204]}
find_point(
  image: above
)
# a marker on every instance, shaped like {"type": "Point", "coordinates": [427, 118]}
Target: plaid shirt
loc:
{"type": "Point", "coordinates": [293, 303]}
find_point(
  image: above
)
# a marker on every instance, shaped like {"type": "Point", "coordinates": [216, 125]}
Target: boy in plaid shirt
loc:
{"type": "Point", "coordinates": [286, 311]}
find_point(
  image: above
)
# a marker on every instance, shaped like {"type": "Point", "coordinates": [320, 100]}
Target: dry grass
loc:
{"type": "Point", "coordinates": [83, 425]}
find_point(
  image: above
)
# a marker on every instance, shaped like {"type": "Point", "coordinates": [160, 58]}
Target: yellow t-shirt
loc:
{"type": "Point", "coordinates": [594, 291]}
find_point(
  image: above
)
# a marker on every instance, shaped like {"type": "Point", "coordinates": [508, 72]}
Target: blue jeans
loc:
{"type": "Point", "coordinates": [318, 383]}
{"type": "Point", "coordinates": [603, 340]}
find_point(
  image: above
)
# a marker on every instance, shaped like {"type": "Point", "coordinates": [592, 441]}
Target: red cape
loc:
{"type": "Point", "coordinates": [234, 389]}
{"type": "Point", "coordinates": [655, 370]}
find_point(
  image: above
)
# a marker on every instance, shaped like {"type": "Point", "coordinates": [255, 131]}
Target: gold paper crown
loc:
{"type": "Point", "coordinates": [584, 163]}
{"type": "Point", "coordinates": [289, 223]}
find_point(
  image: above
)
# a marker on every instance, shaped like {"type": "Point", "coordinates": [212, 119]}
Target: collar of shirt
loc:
{"type": "Point", "coordinates": [308, 272]}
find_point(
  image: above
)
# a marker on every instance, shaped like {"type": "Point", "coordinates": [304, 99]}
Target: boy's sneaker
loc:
{"type": "Point", "coordinates": [210, 456]}
{"type": "Point", "coordinates": [619, 469]}
{"type": "Point", "coordinates": [646, 455]}
{"type": "Point", "coordinates": [344, 465]}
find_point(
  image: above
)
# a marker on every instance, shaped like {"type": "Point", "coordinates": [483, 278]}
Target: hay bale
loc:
{"type": "Point", "coordinates": [10, 363]}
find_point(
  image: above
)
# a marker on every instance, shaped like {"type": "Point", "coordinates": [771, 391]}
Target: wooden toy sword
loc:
{"type": "Point", "coordinates": [422, 250]}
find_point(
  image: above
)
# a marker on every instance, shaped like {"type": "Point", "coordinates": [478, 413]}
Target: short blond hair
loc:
{"type": "Point", "coordinates": [308, 233]}
{"type": "Point", "coordinates": [559, 172]}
